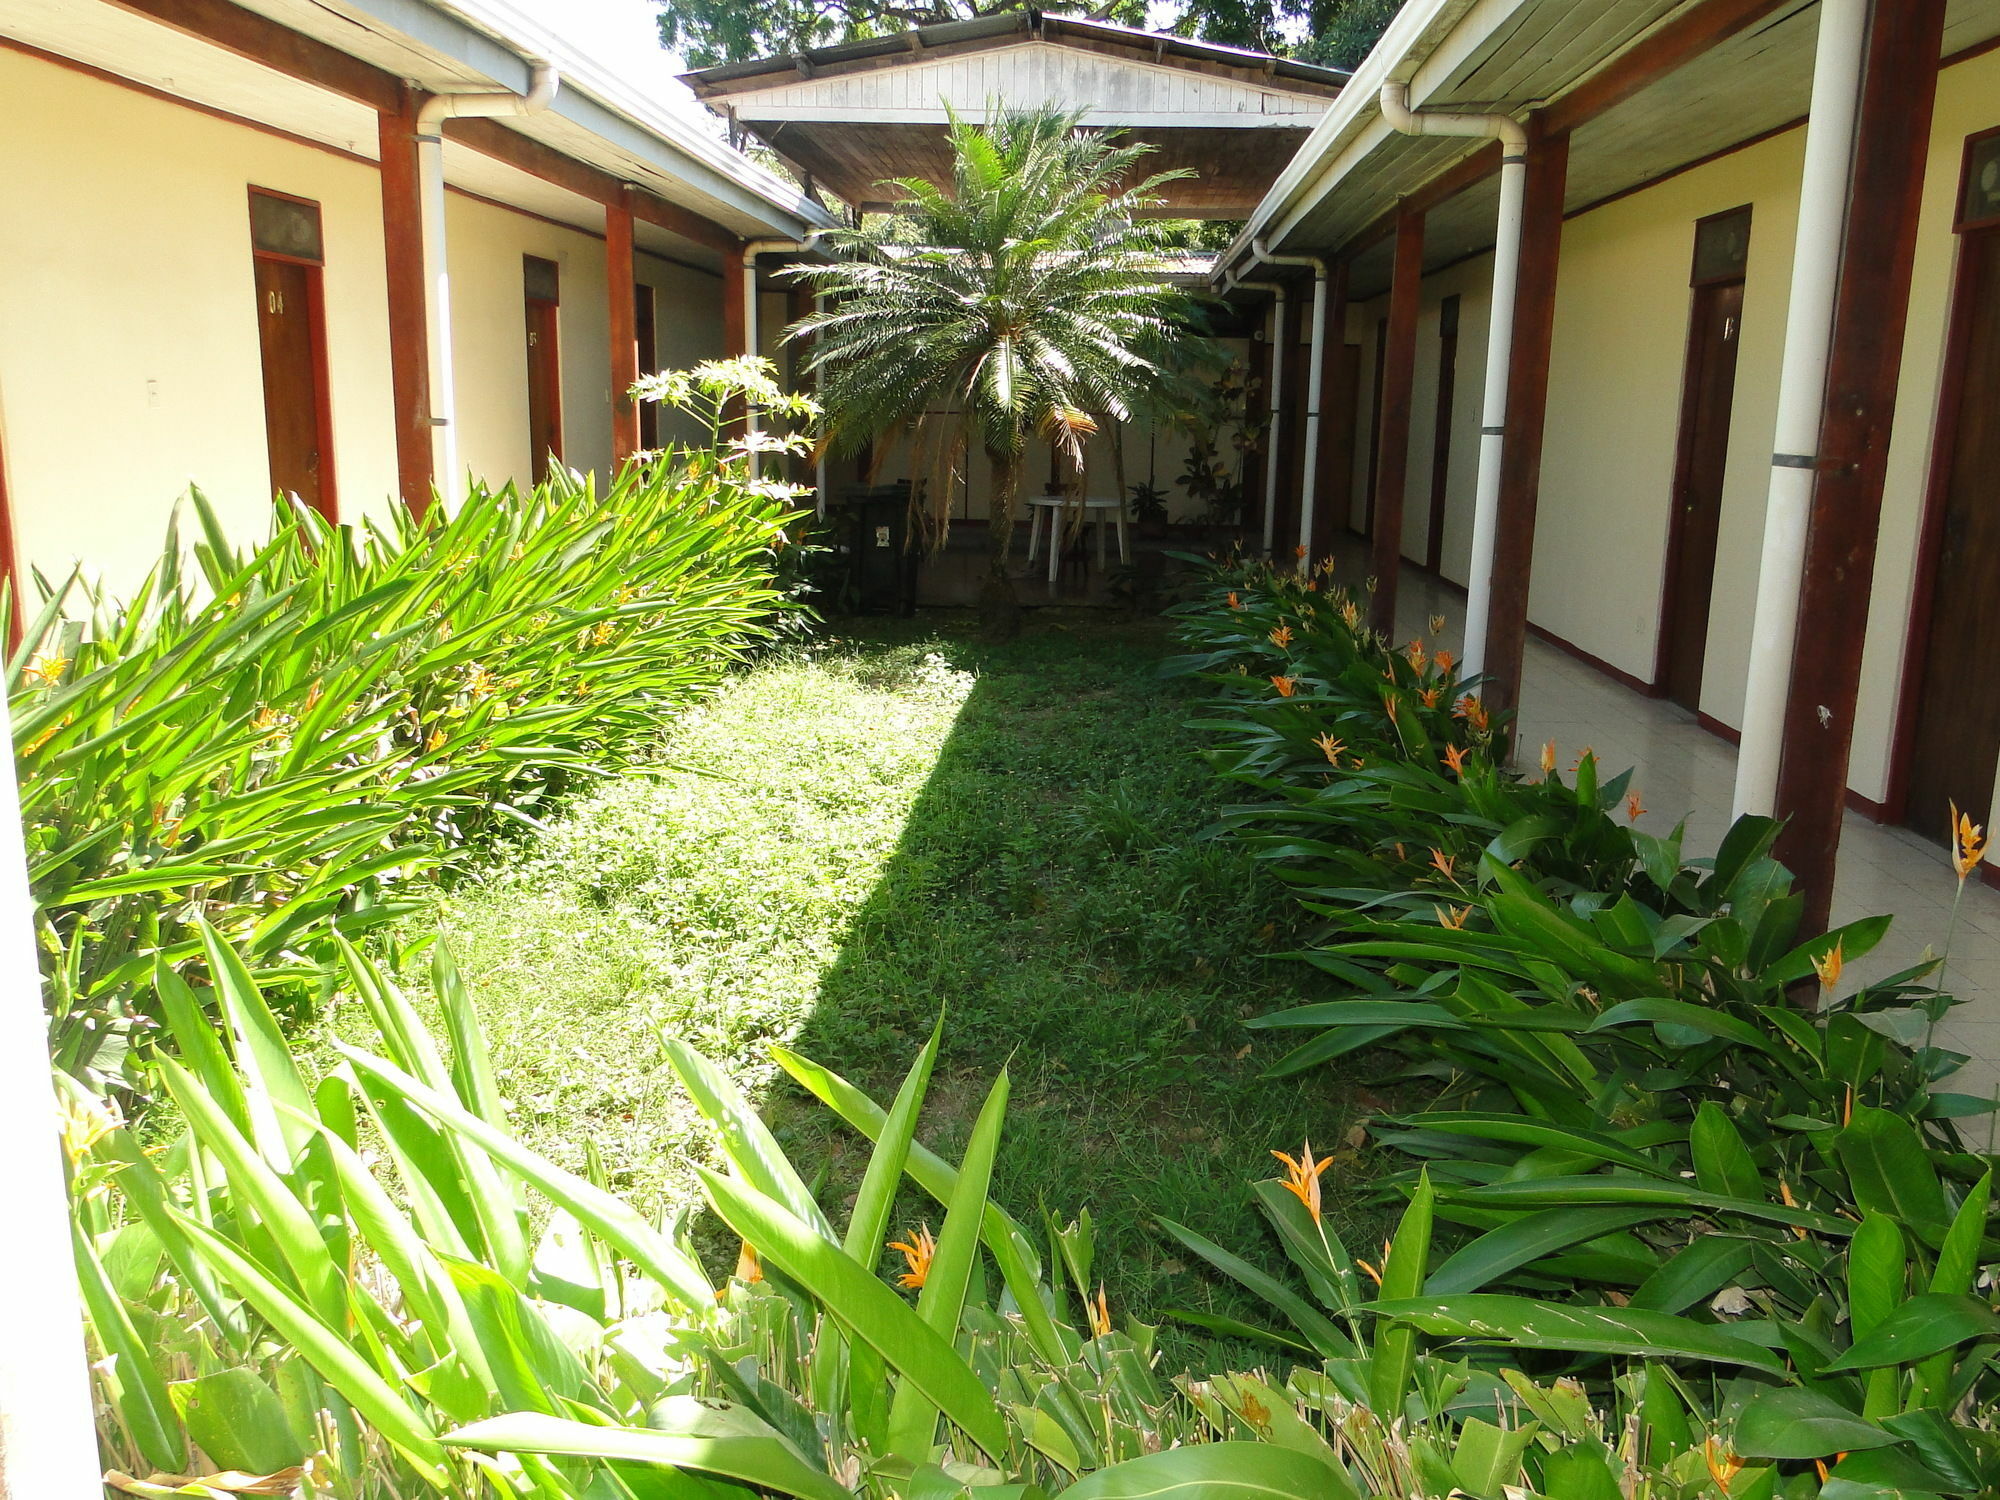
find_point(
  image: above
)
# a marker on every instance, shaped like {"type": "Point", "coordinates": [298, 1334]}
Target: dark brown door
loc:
{"type": "Point", "coordinates": [1441, 434]}
{"type": "Point", "coordinates": [1707, 395]}
{"type": "Point", "coordinates": [544, 367]}
{"type": "Point", "coordinates": [295, 405]}
{"type": "Point", "coordinates": [1956, 739]}
{"type": "Point", "coordinates": [646, 324]}
{"type": "Point", "coordinates": [1375, 424]}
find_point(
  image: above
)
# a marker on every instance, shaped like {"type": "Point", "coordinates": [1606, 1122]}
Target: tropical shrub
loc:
{"type": "Point", "coordinates": [1646, 1148]}
{"type": "Point", "coordinates": [275, 739]}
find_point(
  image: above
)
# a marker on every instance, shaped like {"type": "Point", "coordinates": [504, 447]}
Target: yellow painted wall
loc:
{"type": "Point", "coordinates": [129, 364]}
{"type": "Point", "coordinates": [1472, 282]}
{"type": "Point", "coordinates": [1968, 101]}
{"type": "Point", "coordinates": [687, 307]}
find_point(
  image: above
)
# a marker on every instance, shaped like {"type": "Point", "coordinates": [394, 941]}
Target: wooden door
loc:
{"type": "Point", "coordinates": [545, 444]}
{"type": "Point", "coordinates": [295, 402]}
{"type": "Point", "coordinates": [1955, 740]}
{"type": "Point", "coordinates": [1708, 393]}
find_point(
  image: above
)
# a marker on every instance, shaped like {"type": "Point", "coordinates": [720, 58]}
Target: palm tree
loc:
{"type": "Point", "coordinates": [1025, 301]}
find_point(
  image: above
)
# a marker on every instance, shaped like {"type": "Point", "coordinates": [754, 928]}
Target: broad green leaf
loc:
{"type": "Point", "coordinates": [1722, 1163]}
{"type": "Point", "coordinates": [1208, 1471]}
{"type": "Point", "coordinates": [238, 1421]}
{"type": "Point", "coordinates": [1525, 1240]}
{"type": "Point", "coordinates": [1793, 1422]}
{"type": "Point", "coordinates": [1926, 1324]}
{"type": "Point", "coordinates": [764, 1462]}
{"type": "Point", "coordinates": [1403, 1271]}
{"type": "Point", "coordinates": [1493, 1318]}
{"type": "Point", "coordinates": [134, 1385]}
{"type": "Point", "coordinates": [865, 1306]}
{"type": "Point", "coordinates": [752, 1151]}
{"type": "Point", "coordinates": [1890, 1170]}
{"type": "Point", "coordinates": [1318, 1329]}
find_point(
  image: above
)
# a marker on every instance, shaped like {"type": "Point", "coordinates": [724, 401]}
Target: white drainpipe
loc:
{"type": "Point", "coordinates": [1801, 398]}
{"type": "Point", "coordinates": [1315, 374]}
{"type": "Point", "coordinates": [1276, 402]}
{"type": "Point", "coordinates": [1499, 339]}
{"type": "Point", "coordinates": [437, 272]}
{"type": "Point", "coordinates": [753, 343]}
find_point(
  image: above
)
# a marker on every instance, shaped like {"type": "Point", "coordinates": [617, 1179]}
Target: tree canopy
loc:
{"type": "Point", "coordinates": [1337, 33]}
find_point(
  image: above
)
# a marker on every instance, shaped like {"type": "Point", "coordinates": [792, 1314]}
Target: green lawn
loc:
{"type": "Point", "coordinates": [891, 822]}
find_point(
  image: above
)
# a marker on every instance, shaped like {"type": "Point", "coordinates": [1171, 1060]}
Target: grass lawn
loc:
{"type": "Point", "coordinates": [891, 822]}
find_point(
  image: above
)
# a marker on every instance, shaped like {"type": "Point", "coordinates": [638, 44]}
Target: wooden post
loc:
{"type": "Point", "coordinates": [1399, 378]}
{"type": "Point", "coordinates": [621, 276]}
{"type": "Point", "coordinates": [1333, 488]}
{"type": "Point", "coordinates": [735, 329]}
{"type": "Point", "coordinates": [1527, 408]}
{"type": "Point", "coordinates": [1871, 307]}
{"type": "Point", "coordinates": [403, 264]}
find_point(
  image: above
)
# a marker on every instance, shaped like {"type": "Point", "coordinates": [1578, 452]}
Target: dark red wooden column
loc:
{"type": "Point", "coordinates": [1871, 307]}
{"type": "Point", "coordinates": [1399, 378]}
{"type": "Point", "coordinates": [1333, 481]}
{"type": "Point", "coordinates": [1527, 410]}
{"type": "Point", "coordinates": [735, 331]}
{"type": "Point", "coordinates": [403, 264]}
{"type": "Point", "coordinates": [621, 276]}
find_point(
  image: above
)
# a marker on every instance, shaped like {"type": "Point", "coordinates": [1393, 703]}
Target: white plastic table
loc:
{"type": "Point", "coordinates": [1045, 512]}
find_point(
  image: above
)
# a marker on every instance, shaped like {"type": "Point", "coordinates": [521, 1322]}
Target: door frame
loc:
{"type": "Point", "coordinates": [1671, 581]}
{"type": "Point", "coordinates": [1441, 432]}
{"type": "Point", "coordinates": [329, 492]}
{"type": "Point", "coordinates": [1937, 479]}
{"type": "Point", "coordinates": [553, 357]}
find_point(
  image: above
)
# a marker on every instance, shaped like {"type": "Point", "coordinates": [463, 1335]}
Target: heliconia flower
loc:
{"type": "Point", "coordinates": [1634, 810]}
{"type": "Point", "coordinates": [1367, 1270]}
{"type": "Point", "coordinates": [1282, 636]}
{"type": "Point", "coordinates": [918, 1250]}
{"type": "Point", "coordinates": [435, 742]}
{"type": "Point", "coordinates": [1828, 966]}
{"type": "Point", "coordinates": [749, 1265]}
{"type": "Point", "coordinates": [1443, 862]}
{"type": "Point", "coordinates": [1234, 602]}
{"type": "Point", "coordinates": [1286, 686]}
{"type": "Point", "coordinates": [1444, 659]}
{"type": "Point", "coordinates": [1350, 614]}
{"type": "Point", "coordinates": [1302, 1175]}
{"type": "Point", "coordinates": [1549, 758]}
{"type": "Point", "coordinates": [1330, 747]}
{"type": "Point", "coordinates": [1100, 1314]}
{"type": "Point", "coordinates": [48, 670]}
{"type": "Point", "coordinates": [1300, 550]}
{"type": "Point", "coordinates": [1453, 917]}
{"type": "Point", "coordinates": [1437, 624]}
{"type": "Point", "coordinates": [1473, 711]}
{"type": "Point", "coordinates": [1723, 1465]}
{"type": "Point", "coordinates": [1430, 696]}
{"type": "Point", "coordinates": [1418, 656]}
{"type": "Point", "coordinates": [1455, 758]}
{"type": "Point", "coordinates": [1968, 843]}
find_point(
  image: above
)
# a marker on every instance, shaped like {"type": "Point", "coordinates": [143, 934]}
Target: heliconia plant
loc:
{"type": "Point", "coordinates": [278, 738]}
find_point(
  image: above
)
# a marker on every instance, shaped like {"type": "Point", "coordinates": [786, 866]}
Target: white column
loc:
{"type": "Point", "coordinates": [48, 1439]}
{"type": "Point", "coordinates": [1315, 377]}
{"type": "Point", "coordinates": [1801, 398]}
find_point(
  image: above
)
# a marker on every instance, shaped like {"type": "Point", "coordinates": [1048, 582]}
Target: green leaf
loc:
{"type": "Point", "coordinates": [1722, 1163]}
{"type": "Point", "coordinates": [1208, 1471]}
{"type": "Point", "coordinates": [137, 1393]}
{"type": "Point", "coordinates": [1890, 1170]}
{"type": "Point", "coordinates": [1403, 1272]}
{"type": "Point", "coordinates": [1926, 1324]}
{"type": "Point", "coordinates": [745, 1139]}
{"type": "Point", "coordinates": [1793, 1422]}
{"type": "Point", "coordinates": [1493, 1318]}
{"type": "Point", "coordinates": [866, 1307]}
{"type": "Point", "coordinates": [238, 1421]}
{"type": "Point", "coordinates": [1525, 1240]}
{"type": "Point", "coordinates": [1318, 1329]}
{"type": "Point", "coordinates": [764, 1462]}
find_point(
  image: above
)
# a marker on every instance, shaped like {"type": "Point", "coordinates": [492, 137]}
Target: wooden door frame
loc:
{"type": "Point", "coordinates": [1670, 582]}
{"type": "Point", "coordinates": [1937, 480]}
{"type": "Point", "coordinates": [1450, 310]}
{"type": "Point", "coordinates": [555, 391]}
{"type": "Point", "coordinates": [329, 490]}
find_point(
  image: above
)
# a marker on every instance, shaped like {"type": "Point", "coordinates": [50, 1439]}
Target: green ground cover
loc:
{"type": "Point", "coordinates": [893, 821]}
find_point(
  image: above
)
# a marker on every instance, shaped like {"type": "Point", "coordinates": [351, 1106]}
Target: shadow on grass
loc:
{"type": "Point", "coordinates": [1054, 894]}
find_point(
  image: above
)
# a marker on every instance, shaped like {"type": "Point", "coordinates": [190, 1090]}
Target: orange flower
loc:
{"type": "Point", "coordinates": [1429, 696]}
{"type": "Point", "coordinates": [1443, 862]}
{"type": "Point", "coordinates": [1282, 636]}
{"type": "Point", "coordinates": [1415, 651]}
{"type": "Point", "coordinates": [1234, 602]}
{"type": "Point", "coordinates": [1453, 917]}
{"type": "Point", "coordinates": [1300, 550]}
{"type": "Point", "coordinates": [1549, 758]}
{"type": "Point", "coordinates": [1472, 711]}
{"type": "Point", "coordinates": [1634, 810]}
{"type": "Point", "coordinates": [47, 670]}
{"type": "Point", "coordinates": [1302, 1177]}
{"type": "Point", "coordinates": [1968, 843]}
{"type": "Point", "coordinates": [1828, 966]}
{"type": "Point", "coordinates": [749, 1266]}
{"type": "Point", "coordinates": [1444, 659]}
{"type": "Point", "coordinates": [1369, 1271]}
{"type": "Point", "coordinates": [1723, 1465]}
{"type": "Point", "coordinates": [919, 1250]}
{"type": "Point", "coordinates": [1100, 1314]}
{"type": "Point", "coordinates": [1286, 686]}
{"type": "Point", "coordinates": [1350, 615]}
{"type": "Point", "coordinates": [1455, 758]}
{"type": "Point", "coordinates": [1331, 747]}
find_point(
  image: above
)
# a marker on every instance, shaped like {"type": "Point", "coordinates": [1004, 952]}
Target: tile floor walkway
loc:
{"type": "Point", "coordinates": [1681, 768]}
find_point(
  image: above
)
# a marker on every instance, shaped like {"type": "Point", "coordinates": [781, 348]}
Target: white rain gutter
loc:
{"type": "Point", "coordinates": [1499, 338]}
{"type": "Point", "coordinates": [1315, 376]}
{"type": "Point", "coordinates": [437, 272]}
{"type": "Point", "coordinates": [48, 1440]}
{"type": "Point", "coordinates": [1837, 66]}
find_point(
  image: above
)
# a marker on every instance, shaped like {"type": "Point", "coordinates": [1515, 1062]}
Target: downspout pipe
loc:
{"type": "Point", "coordinates": [1823, 191]}
{"type": "Point", "coordinates": [1315, 376]}
{"type": "Point", "coordinates": [544, 82]}
{"type": "Point", "coordinates": [1276, 404]}
{"type": "Point", "coordinates": [1513, 140]}
{"type": "Point", "coordinates": [753, 344]}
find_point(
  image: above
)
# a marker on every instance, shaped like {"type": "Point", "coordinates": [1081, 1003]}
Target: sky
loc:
{"type": "Point", "coordinates": [624, 36]}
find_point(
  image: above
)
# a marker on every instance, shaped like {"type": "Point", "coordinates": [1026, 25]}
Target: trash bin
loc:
{"type": "Point", "coordinates": [869, 527]}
